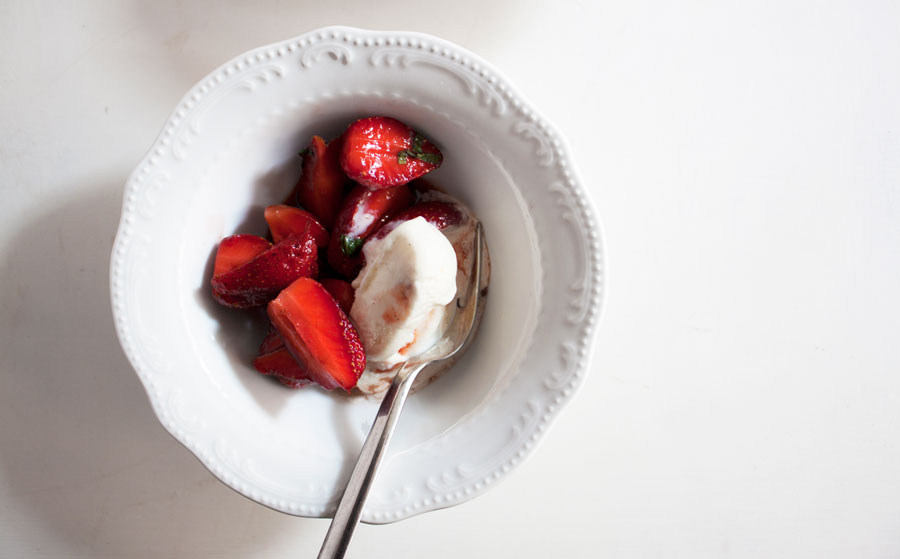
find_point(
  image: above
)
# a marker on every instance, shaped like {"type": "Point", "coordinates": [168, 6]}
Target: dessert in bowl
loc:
{"type": "Point", "coordinates": [229, 151]}
{"type": "Point", "coordinates": [406, 246]}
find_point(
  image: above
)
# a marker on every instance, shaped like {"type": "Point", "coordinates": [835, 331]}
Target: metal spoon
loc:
{"type": "Point", "coordinates": [457, 337]}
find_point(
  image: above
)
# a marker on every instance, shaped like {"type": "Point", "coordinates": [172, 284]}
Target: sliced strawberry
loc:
{"type": "Point", "coordinates": [258, 281]}
{"type": "Point", "coordinates": [281, 364]}
{"type": "Point", "coordinates": [236, 250]}
{"type": "Point", "coordinates": [271, 342]}
{"type": "Point", "coordinates": [439, 214]}
{"type": "Point", "coordinates": [286, 220]}
{"type": "Point", "coordinates": [342, 292]}
{"type": "Point", "coordinates": [379, 152]}
{"type": "Point", "coordinates": [318, 334]}
{"type": "Point", "coordinates": [362, 212]}
{"type": "Point", "coordinates": [321, 184]}
{"type": "Point", "coordinates": [293, 383]}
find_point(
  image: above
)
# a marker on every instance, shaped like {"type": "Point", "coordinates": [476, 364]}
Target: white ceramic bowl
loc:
{"type": "Point", "coordinates": [230, 148]}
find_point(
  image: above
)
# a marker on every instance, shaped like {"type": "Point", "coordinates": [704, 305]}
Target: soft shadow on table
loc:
{"type": "Point", "coordinates": [82, 452]}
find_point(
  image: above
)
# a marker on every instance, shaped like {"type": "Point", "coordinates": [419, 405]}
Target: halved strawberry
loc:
{"type": "Point", "coordinates": [321, 184]}
{"type": "Point", "coordinates": [236, 250]}
{"type": "Point", "coordinates": [380, 151]}
{"type": "Point", "coordinates": [318, 334]}
{"type": "Point", "coordinates": [362, 212]}
{"type": "Point", "coordinates": [258, 281]}
{"type": "Point", "coordinates": [342, 292]}
{"type": "Point", "coordinates": [281, 364]}
{"type": "Point", "coordinates": [286, 220]}
{"type": "Point", "coordinates": [439, 214]}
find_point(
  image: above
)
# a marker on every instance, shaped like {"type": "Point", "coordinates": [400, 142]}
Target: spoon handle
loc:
{"type": "Point", "coordinates": [354, 499]}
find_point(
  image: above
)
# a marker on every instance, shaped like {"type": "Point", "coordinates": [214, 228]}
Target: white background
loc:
{"type": "Point", "coordinates": [744, 397]}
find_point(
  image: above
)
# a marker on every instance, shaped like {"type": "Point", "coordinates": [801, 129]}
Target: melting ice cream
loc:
{"type": "Point", "coordinates": [402, 292]}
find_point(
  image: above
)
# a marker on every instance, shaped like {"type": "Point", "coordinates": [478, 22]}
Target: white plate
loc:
{"type": "Point", "coordinates": [230, 148]}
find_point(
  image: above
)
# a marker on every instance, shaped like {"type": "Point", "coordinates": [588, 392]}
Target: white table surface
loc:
{"type": "Point", "coordinates": [744, 396]}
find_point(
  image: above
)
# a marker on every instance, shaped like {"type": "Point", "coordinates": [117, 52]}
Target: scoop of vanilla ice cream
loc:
{"type": "Point", "coordinates": [402, 291]}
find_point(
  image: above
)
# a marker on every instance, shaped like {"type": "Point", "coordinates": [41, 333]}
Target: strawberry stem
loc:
{"type": "Point", "coordinates": [428, 157]}
{"type": "Point", "coordinates": [416, 152]}
{"type": "Point", "coordinates": [350, 245]}
{"type": "Point", "coordinates": [417, 142]}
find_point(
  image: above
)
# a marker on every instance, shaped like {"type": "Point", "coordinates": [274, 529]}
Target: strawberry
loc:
{"type": "Point", "coordinates": [318, 334]}
{"type": "Point", "coordinates": [362, 212]}
{"type": "Point", "coordinates": [286, 220]}
{"type": "Point", "coordinates": [293, 383]}
{"type": "Point", "coordinates": [342, 292]}
{"type": "Point", "coordinates": [271, 342]}
{"type": "Point", "coordinates": [236, 250]}
{"type": "Point", "coordinates": [439, 214]}
{"type": "Point", "coordinates": [347, 266]}
{"type": "Point", "coordinates": [321, 184]}
{"type": "Point", "coordinates": [379, 152]}
{"type": "Point", "coordinates": [258, 281]}
{"type": "Point", "coordinates": [282, 365]}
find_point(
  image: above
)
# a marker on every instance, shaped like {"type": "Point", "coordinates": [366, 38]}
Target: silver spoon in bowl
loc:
{"type": "Point", "coordinates": [458, 336]}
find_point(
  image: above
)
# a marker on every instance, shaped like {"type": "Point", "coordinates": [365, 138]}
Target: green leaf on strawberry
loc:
{"type": "Point", "coordinates": [350, 245]}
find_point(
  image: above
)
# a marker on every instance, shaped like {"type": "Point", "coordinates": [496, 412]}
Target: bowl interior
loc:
{"type": "Point", "coordinates": [258, 165]}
